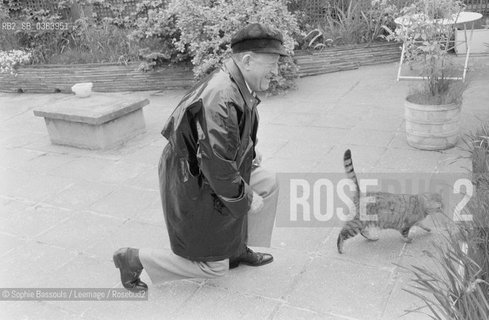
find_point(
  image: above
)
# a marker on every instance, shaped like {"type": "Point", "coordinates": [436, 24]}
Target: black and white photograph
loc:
{"type": "Point", "coordinates": [252, 159]}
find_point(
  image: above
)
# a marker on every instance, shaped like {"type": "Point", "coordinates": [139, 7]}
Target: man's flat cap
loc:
{"type": "Point", "coordinates": [258, 38]}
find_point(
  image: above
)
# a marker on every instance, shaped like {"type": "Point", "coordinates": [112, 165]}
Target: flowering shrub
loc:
{"type": "Point", "coordinates": [207, 27]}
{"type": "Point", "coordinates": [10, 59]}
{"type": "Point", "coordinates": [156, 31]}
{"type": "Point", "coordinates": [202, 30]}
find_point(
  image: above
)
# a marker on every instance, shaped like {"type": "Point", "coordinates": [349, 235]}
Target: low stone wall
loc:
{"type": "Point", "coordinates": [346, 57]}
{"type": "Point", "coordinates": [105, 78]}
{"type": "Point", "coordinates": [115, 77]}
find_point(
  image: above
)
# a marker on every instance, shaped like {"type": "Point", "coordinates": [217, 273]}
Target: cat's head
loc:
{"type": "Point", "coordinates": [431, 203]}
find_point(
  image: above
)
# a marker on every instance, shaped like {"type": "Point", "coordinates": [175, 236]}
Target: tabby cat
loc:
{"type": "Point", "coordinates": [394, 211]}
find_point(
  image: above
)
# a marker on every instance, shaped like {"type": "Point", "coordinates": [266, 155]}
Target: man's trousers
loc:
{"type": "Point", "coordinates": [163, 265]}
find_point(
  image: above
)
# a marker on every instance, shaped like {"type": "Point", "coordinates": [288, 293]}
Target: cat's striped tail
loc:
{"type": "Point", "coordinates": [350, 171]}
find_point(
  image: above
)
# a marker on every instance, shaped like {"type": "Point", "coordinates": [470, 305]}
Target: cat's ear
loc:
{"type": "Point", "coordinates": [437, 202]}
{"type": "Point", "coordinates": [431, 202]}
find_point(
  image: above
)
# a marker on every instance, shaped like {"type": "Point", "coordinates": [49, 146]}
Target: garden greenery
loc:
{"type": "Point", "coordinates": [201, 31]}
{"type": "Point", "coordinates": [10, 59]}
{"type": "Point", "coordinates": [207, 27]}
{"type": "Point", "coordinates": [351, 22]}
{"type": "Point", "coordinates": [161, 32]}
{"type": "Point", "coordinates": [426, 33]}
{"type": "Point", "coordinates": [458, 288]}
{"type": "Point", "coordinates": [156, 32]}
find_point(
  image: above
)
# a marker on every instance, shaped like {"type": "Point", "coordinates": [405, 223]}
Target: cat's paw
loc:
{"type": "Point", "coordinates": [339, 244]}
{"type": "Point", "coordinates": [370, 237]}
{"type": "Point", "coordinates": [371, 233]}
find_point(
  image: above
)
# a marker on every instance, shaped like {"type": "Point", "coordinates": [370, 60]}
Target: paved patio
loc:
{"type": "Point", "coordinates": [64, 210]}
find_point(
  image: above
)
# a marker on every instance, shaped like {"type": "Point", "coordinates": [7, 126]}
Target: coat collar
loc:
{"type": "Point", "coordinates": [233, 70]}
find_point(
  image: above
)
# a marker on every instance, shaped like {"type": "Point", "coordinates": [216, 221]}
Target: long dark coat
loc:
{"type": "Point", "coordinates": [205, 169]}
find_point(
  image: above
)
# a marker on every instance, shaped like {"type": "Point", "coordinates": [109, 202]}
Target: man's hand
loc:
{"type": "Point", "coordinates": [256, 204]}
{"type": "Point", "coordinates": [257, 160]}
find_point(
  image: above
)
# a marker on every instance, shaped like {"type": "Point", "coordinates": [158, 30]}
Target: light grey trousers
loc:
{"type": "Point", "coordinates": [163, 265]}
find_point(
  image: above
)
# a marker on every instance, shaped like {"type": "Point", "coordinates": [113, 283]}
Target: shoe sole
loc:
{"type": "Point", "coordinates": [253, 265]}
{"type": "Point", "coordinates": [116, 260]}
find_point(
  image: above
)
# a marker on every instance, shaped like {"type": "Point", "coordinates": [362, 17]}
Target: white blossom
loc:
{"type": "Point", "coordinates": [10, 59]}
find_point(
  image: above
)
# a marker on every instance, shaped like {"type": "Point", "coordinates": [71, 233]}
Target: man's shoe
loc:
{"type": "Point", "coordinates": [251, 258]}
{"type": "Point", "coordinates": [128, 263]}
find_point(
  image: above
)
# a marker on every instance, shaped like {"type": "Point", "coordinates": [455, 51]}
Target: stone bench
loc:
{"type": "Point", "coordinates": [96, 122]}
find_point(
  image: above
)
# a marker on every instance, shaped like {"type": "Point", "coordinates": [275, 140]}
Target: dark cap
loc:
{"type": "Point", "coordinates": [258, 38]}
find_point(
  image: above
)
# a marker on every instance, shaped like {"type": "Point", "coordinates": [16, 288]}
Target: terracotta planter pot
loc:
{"type": "Point", "coordinates": [432, 127]}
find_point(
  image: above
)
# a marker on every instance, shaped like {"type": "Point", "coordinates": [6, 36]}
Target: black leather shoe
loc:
{"type": "Point", "coordinates": [251, 258]}
{"type": "Point", "coordinates": [128, 263]}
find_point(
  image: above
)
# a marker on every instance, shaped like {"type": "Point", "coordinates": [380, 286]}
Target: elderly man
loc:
{"type": "Point", "coordinates": [210, 175]}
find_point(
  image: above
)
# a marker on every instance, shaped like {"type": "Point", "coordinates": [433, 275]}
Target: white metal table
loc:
{"type": "Point", "coordinates": [463, 18]}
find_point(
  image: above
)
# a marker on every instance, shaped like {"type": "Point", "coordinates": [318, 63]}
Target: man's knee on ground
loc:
{"type": "Point", "coordinates": [264, 182]}
{"type": "Point", "coordinates": [272, 182]}
{"type": "Point", "coordinates": [215, 269]}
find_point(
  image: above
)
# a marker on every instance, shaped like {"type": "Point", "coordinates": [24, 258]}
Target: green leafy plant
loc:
{"type": "Point", "coordinates": [477, 144]}
{"type": "Point", "coordinates": [9, 60]}
{"type": "Point", "coordinates": [8, 40]}
{"type": "Point", "coordinates": [85, 40]}
{"type": "Point", "coordinates": [156, 31]}
{"type": "Point", "coordinates": [207, 27]}
{"type": "Point", "coordinates": [91, 42]}
{"type": "Point", "coordinates": [456, 290]}
{"type": "Point", "coordinates": [316, 39]}
{"type": "Point", "coordinates": [42, 43]}
{"type": "Point", "coordinates": [347, 25]}
{"type": "Point", "coordinates": [448, 91]}
{"type": "Point", "coordinates": [459, 288]}
{"type": "Point", "coordinates": [116, 13]}
{"type": "Point", "coordinates": [352, 22]}
{"type": "Point", "coordinates": [380, 13]}
{"type": "Point", "coordinates": [426, 33]}
{"type": "Point", "coordinates": [4, 12]}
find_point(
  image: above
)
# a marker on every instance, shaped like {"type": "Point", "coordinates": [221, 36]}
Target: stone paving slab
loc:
{"type": "Point", "coordinates": [274, 281]}
{"type": "Point", "coordinates": [286, 312]}
{"type": "Point", "coordinates": [382, 254]}
{"type": "Point", "coordinates": [341, 288]}
{"type": "Point", "coordinates": [28, 220]}
{"type": "Point", "coordinates": [63, 211]}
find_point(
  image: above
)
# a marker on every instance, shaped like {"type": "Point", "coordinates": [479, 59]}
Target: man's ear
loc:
{"type": "Point", "coordinates": [246, 61]}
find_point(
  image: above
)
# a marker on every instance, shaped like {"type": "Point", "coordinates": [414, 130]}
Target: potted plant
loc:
{"type": "Point", "coordinates": [432, 111]}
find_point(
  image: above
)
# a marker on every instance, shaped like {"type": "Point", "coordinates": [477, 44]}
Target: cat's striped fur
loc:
{"type": "Point", "coordinates": [394, 211]}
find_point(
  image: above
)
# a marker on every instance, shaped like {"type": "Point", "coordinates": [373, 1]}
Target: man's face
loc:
{"type": "Point", "coordinates": [260, 68]}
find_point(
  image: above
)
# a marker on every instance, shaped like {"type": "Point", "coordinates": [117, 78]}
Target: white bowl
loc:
{"type": "Point", "coordinates": [82, 90]}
